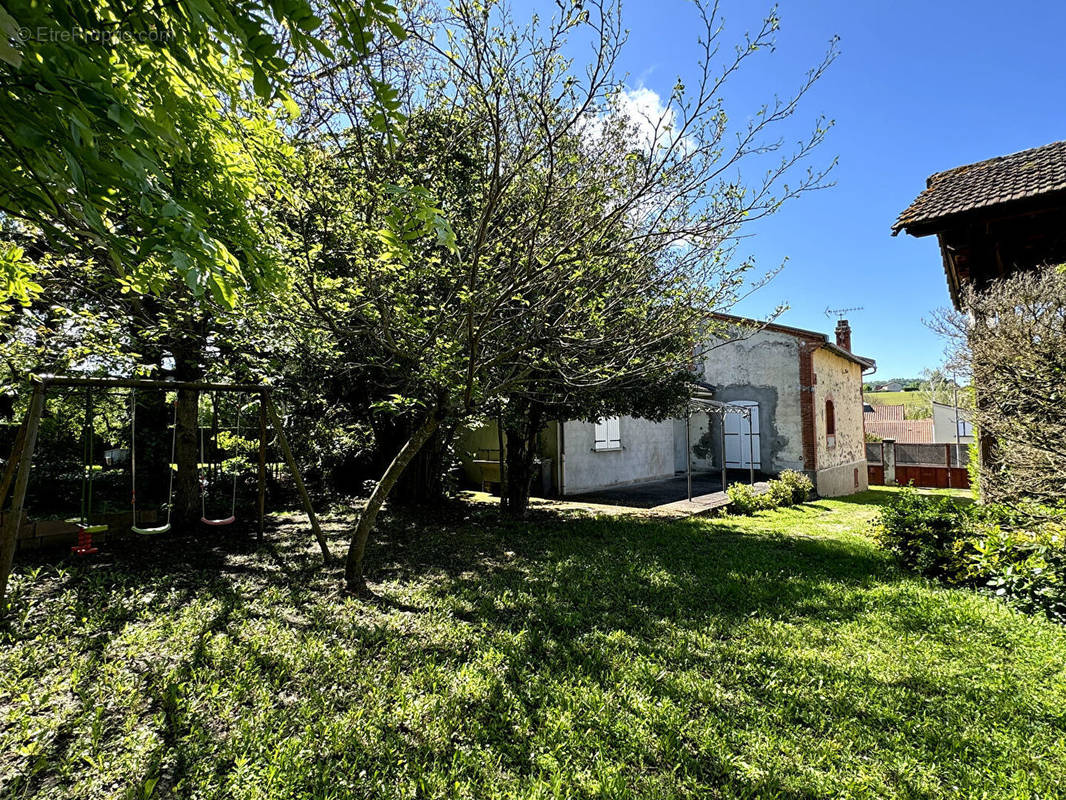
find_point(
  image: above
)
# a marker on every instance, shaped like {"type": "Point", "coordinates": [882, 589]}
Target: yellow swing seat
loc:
{"type": "Point", "coordinates": [92, 528]}
{"type": "Point", "coordinates": [150, 531]}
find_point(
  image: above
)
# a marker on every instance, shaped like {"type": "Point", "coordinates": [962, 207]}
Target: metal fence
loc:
{"type": "Point", "coordinates": [929, 465]}
{"type": "Point", "coordinates": [936, 455]}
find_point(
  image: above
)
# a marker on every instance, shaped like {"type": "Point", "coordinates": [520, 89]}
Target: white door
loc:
{"type": "Point", "coordinates": [740, 445]}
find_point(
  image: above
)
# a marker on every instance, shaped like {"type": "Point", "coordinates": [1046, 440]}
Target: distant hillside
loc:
{"type": "Point", "coordinates": [907, 383]}
{"type": "Point", "coordinates": [917, 405]}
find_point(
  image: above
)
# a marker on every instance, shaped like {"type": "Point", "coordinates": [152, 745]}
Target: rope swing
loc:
{"type": "Point", "coordinates": [86, 529]}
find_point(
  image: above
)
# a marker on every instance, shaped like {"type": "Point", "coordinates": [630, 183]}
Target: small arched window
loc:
{"type": "Point", "coordinates": [830, 424]}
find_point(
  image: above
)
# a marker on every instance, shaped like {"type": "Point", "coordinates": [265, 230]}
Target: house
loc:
{"type": "Point", "coordinates": [894, 386]}
{"type": "Point", "coordinates": [800, 393]}
{"type": "Point", "coordinates": [994, 217]}
{"type": "Point", "coordinates": [890, 422]}
{"type": "Point", "coordinates": [951, 424]}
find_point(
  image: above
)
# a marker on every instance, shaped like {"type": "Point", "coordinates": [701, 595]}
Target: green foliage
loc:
{"type": "Point", "coordinates": [789, 488]}
{"type": "Point", "coordinates": [921, 530]}
{"type": "Point", "coordinates": [1026, 566]}
{"type": "Point", "coordinates": [153, 133]}
{"type": "Point", "coordinates": [16, 283]}
{"type": "Point", "coordinates": [580, 657]}
{"type": "Point", "coordinates": [1016, 552]}
{"type": "Point", "coordinates": [745, 499]}
{"type": "Point", "coordinates": [798, 482]}
{"type": "Point", "coordinates": [973, 464]}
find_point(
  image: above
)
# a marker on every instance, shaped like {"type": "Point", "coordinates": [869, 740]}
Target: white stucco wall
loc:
{"type": "Point", "coordinates": [647, 454]}
{"type": "Point", "coordinates": [840, 468]}
{"type": "Point", "coordinates": [944, 424]}
{"type": "Point", "coordinates": [763, 368]}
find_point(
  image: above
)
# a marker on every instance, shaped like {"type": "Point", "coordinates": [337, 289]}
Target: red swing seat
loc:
{"type": "Point", "coordinates": [218, 522]}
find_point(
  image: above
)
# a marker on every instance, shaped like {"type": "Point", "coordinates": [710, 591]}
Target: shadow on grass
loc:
{"type": "Point", "coordinates": [560, 599]}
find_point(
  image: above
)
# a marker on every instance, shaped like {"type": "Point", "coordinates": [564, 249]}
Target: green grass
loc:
{"type": "Point", "coordinates": [917, 404]}
{"type": "Point", "coordinates": [780, 655]}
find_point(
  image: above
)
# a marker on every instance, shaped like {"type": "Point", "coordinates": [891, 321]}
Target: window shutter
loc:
{"type": "Point", "coordinates": [601, 435]}
{"type": "Point", "coordinates": [614, 439]}
{"type": "Point", "coordinates": [607, 434]}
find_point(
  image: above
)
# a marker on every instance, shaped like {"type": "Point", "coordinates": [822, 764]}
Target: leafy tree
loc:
{"type": "Point", "coordinates": [583, 237]}
{"type": "Point", "coordinates": [138, 130]}
{"type": "Point", "coordinates": [1012, 343]}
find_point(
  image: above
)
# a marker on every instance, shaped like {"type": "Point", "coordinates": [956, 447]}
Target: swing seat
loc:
{"type": "Point", "coordinates": [218, 522]}
{"type": "Point", "coordinates": [150, 531]}
{"type": "Point", "coordinates": [92, 528]}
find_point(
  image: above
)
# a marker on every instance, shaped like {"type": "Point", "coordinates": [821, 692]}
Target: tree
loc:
{"type": "Point", "coordinates": [1012, 343]}
{"type": "Point", "coordinates": [120, 110]}
{"type": "Point", "coordinates": [584, 235]}
{"type": "Point", "coordinates": [149, 142]}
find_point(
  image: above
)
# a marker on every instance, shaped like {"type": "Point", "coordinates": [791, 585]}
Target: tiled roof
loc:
{"type": "Point", "coordinates": [884, 414]}
{"type": "Point", "coordinates": [1006, 179]}
{"type": "Point", "coordinates": [905, 431]}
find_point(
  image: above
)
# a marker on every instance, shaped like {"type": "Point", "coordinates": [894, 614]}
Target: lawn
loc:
{"type": "Point", "coordinates": [776, 656]}
{"type": "Point", "coordinates": [917, 404]}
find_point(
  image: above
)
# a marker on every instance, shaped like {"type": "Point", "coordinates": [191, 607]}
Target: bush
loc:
{"type": "Point", "coordinates": [921, 531]}
{"type": "Point", "coordinates": [799, 484]}
{"type": "Point", "coordinates": [1024, 566]}
{"type": "Point", "coordinates": [779, 494]}
{"type": "Point", "coordinates": [745, 500]}
{"type": "Point", "coordinates": [788, 489]}
{"type": "Point", "coordinates": [1016, 552]}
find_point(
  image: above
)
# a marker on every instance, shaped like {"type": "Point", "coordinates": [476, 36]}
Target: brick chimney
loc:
{"type": "Point", "coordinates": [844, 335]}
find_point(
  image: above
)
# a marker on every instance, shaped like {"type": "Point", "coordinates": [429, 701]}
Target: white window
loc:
{"type": "Point", "coordinates": [607, 434]}
{"type": "Point", "coordinates": [965, 428]}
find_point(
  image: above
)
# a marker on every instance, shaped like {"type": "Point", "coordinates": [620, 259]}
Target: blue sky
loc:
{"type": "Point", "coordinates": [918, 88]}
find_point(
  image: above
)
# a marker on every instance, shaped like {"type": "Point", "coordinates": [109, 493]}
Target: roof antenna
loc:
{"type": "Point", "coordinates": [840, 313]}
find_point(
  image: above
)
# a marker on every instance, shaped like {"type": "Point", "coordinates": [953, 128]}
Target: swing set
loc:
{"type": "Point", "coordinates": [17, 470]}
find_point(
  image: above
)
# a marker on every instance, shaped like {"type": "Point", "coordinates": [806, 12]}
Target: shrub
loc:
{"type": "Point", "coordinates": [745, 500]}
{"type": "Point", "coordinates": [787, 490]}
{"type": "Point", "coordinates": [799, 484]}
{"type": "Point", "coordinates": [1016, 552]}
{"type": "Point", "coordinates": [1025, 566]}
{"type": "Point", "coordinates": [921, 531]}
{"type": "Point", "coordinates": [779, 494]}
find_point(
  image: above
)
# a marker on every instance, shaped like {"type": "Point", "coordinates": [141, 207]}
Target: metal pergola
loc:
{"type": "Point", "coordinates": [702, 401]}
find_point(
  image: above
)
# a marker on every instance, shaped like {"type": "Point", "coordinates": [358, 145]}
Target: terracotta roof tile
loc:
{"type": "Point", "coordinates": [884, 414]}
{"type": "Point", "coordinates": [907, 431]}
{"type": "Point", "coordinates": [1019, 176]}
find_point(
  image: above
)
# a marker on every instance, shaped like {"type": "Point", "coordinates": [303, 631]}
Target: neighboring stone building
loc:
{"type": "Point", "coordinates": [803, 394]}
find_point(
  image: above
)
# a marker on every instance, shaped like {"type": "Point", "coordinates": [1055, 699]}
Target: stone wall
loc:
{"type": "Point", "coordinates": [840, 461]}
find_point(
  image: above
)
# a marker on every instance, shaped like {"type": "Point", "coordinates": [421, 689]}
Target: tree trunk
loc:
{"type": "Point", "coordinates": [522, 432]}
{"type": "Point", "coordinates": [188, 366]}
{"type": "Point", "coordinates": [353, 569]}
{"type": "Point", "coordinates": [426, 481]}
{"type": "Point", "coordinates": [186, 454]}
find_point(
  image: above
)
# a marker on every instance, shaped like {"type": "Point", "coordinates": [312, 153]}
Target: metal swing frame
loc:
{"type": "Point", "coordinates": [16, 474]}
